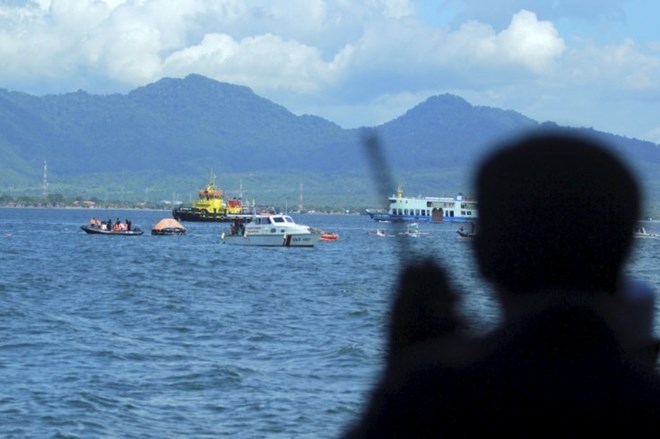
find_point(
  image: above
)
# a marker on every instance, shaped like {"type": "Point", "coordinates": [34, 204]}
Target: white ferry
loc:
{"type": "Point", "coordinates": [428, 209]}
{"type": "Point", "coordinates": [271, 231]}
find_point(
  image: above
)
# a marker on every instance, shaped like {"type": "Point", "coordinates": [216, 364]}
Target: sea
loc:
{"type": "Point", "coordinates": [185, 337]}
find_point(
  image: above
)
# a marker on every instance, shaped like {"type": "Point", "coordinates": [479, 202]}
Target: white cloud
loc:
{"type": "Point", "coordinates": [534, 44]}
{"type": "Point", "coordinates": [397, 8]}
{"type": "Point", "coordinates": [653, 135]}
{"type": "Point", "coordinates": [357, 59]}
{"type": "Point", "coordinates": [528, 43]}
{"type": "Point", "coordinates": [263, 62]}
{"type": "Point", "coordinates": [625, 67]}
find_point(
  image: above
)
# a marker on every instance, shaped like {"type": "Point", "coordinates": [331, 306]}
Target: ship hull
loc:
{"type": "Point", "coordinates": [190, 214]}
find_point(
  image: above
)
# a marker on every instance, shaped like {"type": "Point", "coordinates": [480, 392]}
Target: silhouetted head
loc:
{"type": "Point", "coordinates": [555, 210]}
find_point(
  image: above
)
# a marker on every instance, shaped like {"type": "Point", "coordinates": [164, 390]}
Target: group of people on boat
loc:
{"type": "Point", "coordinates": [117, 226]}
{"type": "Point", "coordinates": [238, 227]}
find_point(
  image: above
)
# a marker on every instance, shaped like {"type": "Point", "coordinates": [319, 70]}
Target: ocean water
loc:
{"type": "Point", "coordinates": [182, 336]}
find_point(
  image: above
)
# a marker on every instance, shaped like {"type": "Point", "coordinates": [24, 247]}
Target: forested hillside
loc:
{"type": "Point", "coordinates": [162, 140]}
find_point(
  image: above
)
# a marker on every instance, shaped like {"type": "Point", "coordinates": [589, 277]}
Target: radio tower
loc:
{"type": "Point", "coordinates": [45, 180]}
{"type": "Point", "coordinates": [300, 202]}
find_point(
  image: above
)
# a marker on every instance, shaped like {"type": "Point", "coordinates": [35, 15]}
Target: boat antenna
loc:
{"type": "Point", "coordinates": [382, 176]}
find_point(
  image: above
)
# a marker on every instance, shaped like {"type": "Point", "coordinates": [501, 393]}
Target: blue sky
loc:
{"type": "Point", "coordinates": [590, 63]}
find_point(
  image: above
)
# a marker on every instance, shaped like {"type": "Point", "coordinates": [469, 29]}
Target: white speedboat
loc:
{"type": "Point", "coordinates": [641, 232]}
{"type": "Point", "coordinates": [412, 230]}
{"type": "Point", "coordinates": [272, 231]}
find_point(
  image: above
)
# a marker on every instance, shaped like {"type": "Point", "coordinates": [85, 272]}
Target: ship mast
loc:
{"type": "Point", "coordinates": [300, 202]}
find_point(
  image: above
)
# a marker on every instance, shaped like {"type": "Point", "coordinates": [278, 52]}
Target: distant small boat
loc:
{"type": "Point", "coordinates": [378, 232]}
{"type": "Point", "coordinates": [465, 235]}
{"type": "Point", "coordinates": [93, 230]}
{"type": "Point", "coordinates": [462, 233]}
{"type": "Point", "coordinates": [641, 232]}
{"type": "Point", "coordinates": [412, 230]}
{"type": "Point", "coordinates": [168, 226]}
{"type": "Point", "coordinates": [326, 236]}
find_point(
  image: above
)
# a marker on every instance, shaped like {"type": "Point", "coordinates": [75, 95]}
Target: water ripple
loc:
{"type": "Point", "coordinates": [153, 337]}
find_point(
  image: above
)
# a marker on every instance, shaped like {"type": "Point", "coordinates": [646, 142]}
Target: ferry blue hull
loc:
{"type": "Point", "coordinates": [458, 209]}
{"type": "Point", "coordinates": [420, 219]}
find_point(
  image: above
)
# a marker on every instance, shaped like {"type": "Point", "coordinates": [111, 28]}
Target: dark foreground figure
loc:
{"type": "Point", "coordinates": [574, 353]}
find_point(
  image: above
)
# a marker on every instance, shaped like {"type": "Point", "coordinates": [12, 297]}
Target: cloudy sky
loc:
{"type": "Point", "coordinates": [593, 63]}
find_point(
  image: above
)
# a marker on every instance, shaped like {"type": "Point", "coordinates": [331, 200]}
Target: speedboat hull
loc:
{"type": "Point", "coordinates": [97, 231]}
{"type": "Point", "coordinates": [273, 240]}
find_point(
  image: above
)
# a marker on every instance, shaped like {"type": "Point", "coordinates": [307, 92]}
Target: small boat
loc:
{"type": "Point", "coordinates": [93, 230]}
{"type": "Point", "coordinates": [271, 231]}
{"type": "Point", "coordinates": [378, 232]}
{"type": "Point", "coordinates": [465, 235]}
{"type": "Point", "coordinates": [412, 230]}
{"type": "Point", "coordinates": [168, 226]}
{"type": "Point", "coordinates": [462, 233]}
{"type": "Point", "coordinates": [326, 236]}
{"type": "Point", "coordinates": [641, 232]}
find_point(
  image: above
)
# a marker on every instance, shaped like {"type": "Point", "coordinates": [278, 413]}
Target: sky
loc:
{"type": "Point", "coordinates": [586, 63]}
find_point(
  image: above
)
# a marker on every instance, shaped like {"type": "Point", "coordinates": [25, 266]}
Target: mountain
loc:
{"type": "Point", "coordinates": [160, 141]}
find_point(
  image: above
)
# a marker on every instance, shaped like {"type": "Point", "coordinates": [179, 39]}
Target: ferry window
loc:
{"type": "Point", "coordinates": [405, 211]}
{"type": "Point", "coordinates": [428, 204]}
{"type": "Point", "coordinates": [417, 212]}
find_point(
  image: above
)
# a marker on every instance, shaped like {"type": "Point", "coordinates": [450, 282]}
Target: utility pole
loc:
{"type": "Point", "coordinates": [45, 188]}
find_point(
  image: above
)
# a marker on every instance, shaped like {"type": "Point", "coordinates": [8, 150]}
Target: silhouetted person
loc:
{"type": "Point", "coordinates": [555, 228]}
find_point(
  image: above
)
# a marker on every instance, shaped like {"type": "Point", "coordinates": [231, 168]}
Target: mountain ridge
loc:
{"type": "Point", "coordinates": [166, 136]}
